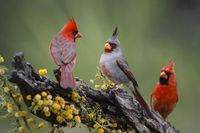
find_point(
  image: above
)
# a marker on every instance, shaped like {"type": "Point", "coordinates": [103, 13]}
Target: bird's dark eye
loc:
{"type": "Point", "coordinates": [113, 45]}
{"type": "Point", "coordinates": [74, 33]}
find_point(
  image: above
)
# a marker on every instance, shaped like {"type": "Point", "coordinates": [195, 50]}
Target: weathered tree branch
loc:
{"type": "Point", "coordinates": [115, 104]}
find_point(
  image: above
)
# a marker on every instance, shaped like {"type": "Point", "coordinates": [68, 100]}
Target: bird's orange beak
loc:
{"type": "Point", "coordinates": [108, 47]}
{"type": "Point", "coordinates": [78, 35]}
{"type": "Point", "coordinates": [163, 75]}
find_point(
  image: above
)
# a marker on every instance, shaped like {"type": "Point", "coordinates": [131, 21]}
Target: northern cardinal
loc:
{"type": "Point", "coordinates": [165, 96]}
{"type": "Point", "coordinates": [114, 66]}
{"type": "Point", "coordinates": [64, 53]}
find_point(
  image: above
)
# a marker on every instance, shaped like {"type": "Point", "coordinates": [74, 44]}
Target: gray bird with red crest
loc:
{"type": "Point", "coordinates": [115, 67]}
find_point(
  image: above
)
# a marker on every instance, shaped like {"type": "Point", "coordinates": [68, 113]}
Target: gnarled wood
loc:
{"type": "Point", "coordinates": [115, 104]}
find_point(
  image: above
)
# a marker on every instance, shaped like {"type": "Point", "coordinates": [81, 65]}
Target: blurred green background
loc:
{"type": "Point", "coordinates": [151, 33]}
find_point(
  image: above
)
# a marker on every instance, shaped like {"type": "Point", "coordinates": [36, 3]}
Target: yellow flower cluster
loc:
{"type": "Point", "coordinates": [2, 71]}
{"type": "Point", "coordinates": [6, 89]}
{"type": "Point", "coordinates": [20, 114]}
{"type": "Point", "coordinates": [100, 130]}
{"type": "Point", "coordinates": [21, 129]}
{"type": "Point", "coordinates": [1, 59]}
{"type": "Point", "coordinates": [9, 107]}
{"type": "Point", "coordinates": [64, 112]}
{"type": "Point", "coordinates": [42, 71]}
{"type": "Point", "coordinates": [75, 97]}
{"type": "Point", "coordinates": [41, 125]}
{"type": "Point", "coordinates": [91, 115]}
{"type": "Point", "coordinates": [30, 120]}
{"type": "Point", "coordinates": [106, 83]}
{"type": "Point", "coordinates": [28, 97]}
{"type": "Point", "coordinates": [18, 96]}
{"type": "Point", "coordinates": [43, 101]}
{"type": "Point", "coordinates": [98, 127]}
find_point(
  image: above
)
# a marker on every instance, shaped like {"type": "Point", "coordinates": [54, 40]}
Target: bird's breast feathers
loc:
{"type": "Point", "coordinates": [110, 68]}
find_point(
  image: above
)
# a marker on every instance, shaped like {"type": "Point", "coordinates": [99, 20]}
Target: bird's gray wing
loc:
{"type": "Point", "coordinates": [123, 65]}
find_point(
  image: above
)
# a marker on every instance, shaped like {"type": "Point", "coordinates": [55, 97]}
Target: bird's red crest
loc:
{"type": "Point", "coordinates": [169, 67]}
{"type": "Point", "coordinates": [70, 26]}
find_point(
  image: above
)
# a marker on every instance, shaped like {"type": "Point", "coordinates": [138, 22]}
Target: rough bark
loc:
{"type": "Point", "coordinates": [117, 105]}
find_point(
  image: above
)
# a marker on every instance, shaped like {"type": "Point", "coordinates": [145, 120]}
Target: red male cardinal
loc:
{"type": "Point", "coordinates": [165, 96]}
{"type": "Point", "coordinates": [64, 53]}
{"type": "Point", "coordinates": [115, 67]}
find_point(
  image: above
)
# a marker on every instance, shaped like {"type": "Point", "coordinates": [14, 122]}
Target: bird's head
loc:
{"type": "Point", "coordinates": [112, 44]}
{"type": "Point", "coordinates": [70, 30]}
{"type": "Point", "coordinates": [167, 73]}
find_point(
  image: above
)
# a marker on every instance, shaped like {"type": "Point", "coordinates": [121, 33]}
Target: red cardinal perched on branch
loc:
{"type": "Point", "coordinates": [115, 67]}
{"type": "Point", "coordinates": [64, 53]}
{"type": "Point", "coordinates": [165, 96]}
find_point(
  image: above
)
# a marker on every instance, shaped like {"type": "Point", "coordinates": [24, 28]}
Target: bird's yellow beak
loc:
{"type": "Point", "coordinates": [108, 47]}
{"type": "Point", "coordinates": [163, 75]}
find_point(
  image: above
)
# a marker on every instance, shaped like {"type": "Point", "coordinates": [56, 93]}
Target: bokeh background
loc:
{"type": "Point", "coordinates": [151, 33]}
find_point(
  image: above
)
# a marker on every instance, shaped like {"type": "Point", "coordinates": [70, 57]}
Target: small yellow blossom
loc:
{"type": "Point", "coordinates": [14, 95]}
{"type": "Point", "coordinates": [97, 86]}
{"type": "Point", "coordinates": [23, 113]}
{"type": "Point", "coordinates": [75, 96]}
{"type": "Point", "coordinates": [41, 125]}
{"type": "Point", "coordinates": [103, 86]}
{"type": "Point", "coordinates": [9, 107]}
{"type": "Point", "coordinates": [69, 116]}
{"type": "Point", "coordinates": [10, 110]}
{"type": "Point", "coordinates": [44, 94]}
{"type": "Point", "coordinates": [60, 99]}
{"type": "Point", "coordinates": [76, 111]}
{"type": "Point", "coordinates": [77, 119]}
{"type": "Point", "coordinates": [119, 131]}
{"type": "Point", "coordinates": [59, 119]}
{"type": "Point", "coordinates": [46, 102]}
{"type": "Point", "coordinates": [49, 97]}
{"type": "Point", "coordinates": [91, 81]}
{"type": "Point", "coordinates": [6, 89]}
{"type": "Point", "coordinates": [21, 129]}
{"type": "Point", "coordinates": [56, 111]}
{"type": "Point", "coordinates": [2, 71]}
{"type": "Point", "coordinates": [91, 115]}
{"type": "Point", "coordinates": [1, 59]}
{"type": "Point", "coordinates": [114, 125]}
{"type": "Point", "coordinates": [83, 99]}
{"type": "Point", "coordinates": [37, 97]}
{"type": "Point", "coordinates": [42, 71]}
{"type": "Point", "coordinates": [95, 126]}
{"type": "Point", "coordinates": [47, 114]}
{"type": "Point", "coordinates": [33, 103]}
{"type": "Point", "coordinates": [50, 102]}
{"type": "Point", "coordinates": [67, 107]}
{"type": "Point", "coordinates": [17, 114]}
{"type": "Point", "coordinates": [40, 102]}
{"type": "Point", "coordinates": [28, 97]}
{"type": "Point", "coordinates": [70, 111]}
{"type": "Point", "coordinates": [30, 120]}
{"type": "Point", "coordinates": [97, 75]}
{"type": "Point", "coordinates": [56, 106]}
{"type": "Point", "coordinates": [20, 98]}
{"type": "Point", "coordinates": [102, 120]}
{"type": "Point", "coordinates": [100, 130]}
{"type": "Point", "coordinates": [46, 109]}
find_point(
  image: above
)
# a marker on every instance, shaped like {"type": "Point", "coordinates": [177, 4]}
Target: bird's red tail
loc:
{"type": "Point", "coordinates": [67, 77]}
